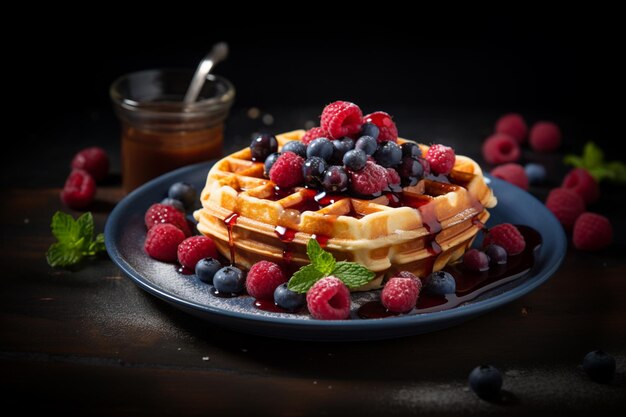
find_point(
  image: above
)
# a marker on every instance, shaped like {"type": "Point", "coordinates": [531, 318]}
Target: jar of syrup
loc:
{"type": "Point", "coordinates": [160, 132]}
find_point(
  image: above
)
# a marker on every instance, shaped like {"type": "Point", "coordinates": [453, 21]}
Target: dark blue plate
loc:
{"type": "Point", "coordinates": [125, 233]}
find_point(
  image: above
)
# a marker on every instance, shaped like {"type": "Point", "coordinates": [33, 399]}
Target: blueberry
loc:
{"type": "Point", "coordinates": [536, 173]}
{"type": "Point", "coordinates": [410, 149]}
{"type": "Point", "coordinates": [370, 129]}
{"type": "Point", "coordinates": [262, 146]}
{"type": "Point", "coordinates": [388, 154]}
{"type": "Point", "coordinates": [440, 283]}
{"type": "Point", "coordinates": [313, 171]}
{"type": "Point", "coordinates": [340, 147]}
{"type": "Point", "coordinates": [355, 159]}
{"type": "Point", "coordinates": [475, 260]}
{"type": "Point", "coordinates": [177, 204]}
{"type": "Point", "coordinates": [600, 366]}
{"type": "Point", "coordinates": [367, 144]}
{"type": "Point", "coordinates": [207, 268]}
{"type": "Point", "coordinates": [183, 192]}
{"type": "Point", "coordinates": [486, 381]}
{"type": "Point", "coordinates": [287, 299]}
{"type": "Point", "coordinates": [229, 279]}
{"type": "Point", "coordinates": [335, 179]}
{"type": "Point", "coordinates": [320, 147]}
{"type": "Point", "coordinates": [269, 162]}
{"type": "Point", "coordinates": [497, 255]}
{"type": "Point", "coordinates": [410, 168]}
{"type": "Point", "coordinates": [296, 147]}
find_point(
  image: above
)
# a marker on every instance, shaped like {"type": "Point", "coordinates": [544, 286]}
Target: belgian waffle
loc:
{"type": "Point", "coordinates": [419, 230]}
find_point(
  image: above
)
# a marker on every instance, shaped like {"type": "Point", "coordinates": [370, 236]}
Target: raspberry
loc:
{"type": "Point", "coordinates": [341, 118]}
{"type": "Point", "coordinates": [475, 260]}
{"type": "Point", "coordinates": [329, 299]}
{"type": "Point", "coordinates": [79, 190]}
{"type": "Point", "coordinates": [582, 183]}
{"type": "Point", "coordinates": [592, 232]}
{"type": "Point", "coordinates": [513, 173]}
{"type": "Point", "coordinates": [312, 134]}
{"type": "Point", "coordinates": [263, 278]}
{"type": "Point", "coordinates": [566, 206]}
{"type": "Point", "coordinates": [370, 180]}
{"type": "Point", "coordinates": [94, 160]}
{"type": "Point", "coordinates": [507, 236]}
{"type": "Point", "coordinates": [194, 248]}
{"type": "Point", "coordinates": [513, 124]}
{"type": "Point", "coordinates": [163, 213]}
{"type": "Point", "coordinates": [287, 170]}
{"type": "Point", "coordinates": [441, 159]}
{"type": "Point", "coordinates": [388, 132]}
{"type": "Point", "coordinates": [400, 294]}
{"type": "Point", "coordinates": [501, 148]}
{"type": "Point", "coordinates": [162, 242]}
{"type": "Point", "coordinates": [545, 136]}
{"type": "Point", "coordinates": [393, 178]}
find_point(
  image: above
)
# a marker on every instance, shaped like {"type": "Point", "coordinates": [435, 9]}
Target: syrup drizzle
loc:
{"type": "Point", "coordinates": [230, 222]}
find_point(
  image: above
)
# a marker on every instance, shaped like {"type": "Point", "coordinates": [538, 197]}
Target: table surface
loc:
{"type": "Point", "coordinates": [91, 341]}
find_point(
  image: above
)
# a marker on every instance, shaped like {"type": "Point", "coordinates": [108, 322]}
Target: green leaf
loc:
{"type": "Point", "coordinates": [575, 161]}
{"type": "Point", "coordinates": [64, 227]}
{"type": "Point", "coordinates": [322, 261]}
{"type": "Point", "coordinates": [75, 239]}
{"type": "Point", "coordinates": [601, 173]}
{"type": "Point", "coordinates": [593, 156]}
{"type": "Point", "coordinates": [60, 254]}
{"type": "Point", "coordinates": [85, 224]}
{"type": "Point", "coordinates": [619, 171]}
{"type": "Point", "coordinates": [353, 274]}
{"type": "Point", "coordinates": [304, 279]}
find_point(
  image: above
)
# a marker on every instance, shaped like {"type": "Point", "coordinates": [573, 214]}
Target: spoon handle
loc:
{"type": "Point", "coordinates": [217, 54]}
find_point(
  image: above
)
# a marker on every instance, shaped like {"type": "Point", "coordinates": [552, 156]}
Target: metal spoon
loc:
{"type": "Point", "coordinates": [217, 54]}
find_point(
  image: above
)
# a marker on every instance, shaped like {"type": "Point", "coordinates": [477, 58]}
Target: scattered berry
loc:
{"type": "Point", "coordinates": [312, 134]}
{"type": "Point", "coordinates": [287, 170]}
{"type": "Point", "coordinates": [79, 190]}
{"type": "Point", "coordinates": [177, 204]}
{"type": "Point", "coordinates": [386, 127]}
{"type": "Point", "coordinates": [367, 144]}
{"type": "Point", "coordinates": [329, 299]}
{"type": "Point", "coordinates": [287, 299]}
{"type": "Point", "coordinates": [582, 183]}
{"type": "Point", "coordinates": [335, 179]}
{"type": "Point", "coordinates": [313, 171]}
{"type": "Point", "coordinates": [500, 149]}
{"type": "Point", "coordinates": [400, 294]}
{"type": "Point", "coordinates": [341, 118]}
{"type": "Point", "coordinates": [512, 173]}
{"type": "Point", "coordinates": [599, 366]}
{"type": "Point", "coordinates": [229, 280]}
{"type": "Point", "coordinates": [411, 150]}
{"type": "Point", "coordinates": [592, 232]}
{"type": "Point", "coordinates": [497, 255]}
{"type": "Point", "coordinates": [486, 381]}
{"type": "Point", "coordinates": [441, 159]}
{"type": "Point", "coordinates": [545, 137]}
{"type": "Point", "coordinates": [269, 163]}
{"type": "Point", "coordinates": [475, 260]}
{"type": "Point", "coordinates": [340, 148]}
{"type": "Point", "coordinates": [355, 159]}
{"type": "Point", "coordinates": [388, 154]}
{"type": "Point", "coordinates": [440, 283]}
{"type": "Point", "coordinates": [512, 124]}
{"type": "Point", "coordinates": [370, 129]}
{"type": "Point", "coordinates": [185, 193]}
{"type": "Point", "coordinates": [262, 146]}
{"type": "Point", "coordinates": [206, 269]}
{"type": "Point", "coordinates": [320, 147]}
{"type": "Point", "coordinates": [370, 180]}
{"type": "Point", "coordinates": [94, 160]}
{"type": "Point", "coordinates": [296, 147]}
{"type": "Point", "coordinates": [166, 214]}
{"type": "Point", "coordinates": [566, 205]}
{"type": "Point", "coordinates": [263, 278]}
{"type": "Point", "coordinates": [162, 242]}
{"type": "Point", "coordinates": [536, 173]}
{"type": "Point", "coordinates": [194, 248]}
{"type": "Point", "coordinates": [507, 236]}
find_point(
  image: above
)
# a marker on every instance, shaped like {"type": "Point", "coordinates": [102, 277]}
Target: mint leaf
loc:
{"type": "Point", "coordinates": [593, 156]}
{"type": "Point", "coordinates": [85, 226]}
{"type": "Point", "coordinates": [575, 161]}
{"type": "Point", "coordinates": [322, 261]}
{"type": "Point", "coordinates": [60, 254]}
{"type": "Point", "coordinates": [304, 278]}
{"type": "Point", "coordinates": [75, 239]}
{"type": "Point", "coordinates": [353, 274]}
{"type": "Point", "coordinates": [64, 227]}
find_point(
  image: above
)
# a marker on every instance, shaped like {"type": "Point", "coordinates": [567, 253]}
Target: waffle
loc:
{"type": "Point", "coordinates": [419, 230]}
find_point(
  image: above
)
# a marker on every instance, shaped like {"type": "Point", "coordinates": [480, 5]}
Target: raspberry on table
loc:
{"type": "Point", "coordinates": [94, 160]}
{"type": "Point", "coordinates": [566, 206]}
{"type": "Point", "coordinates": [592, 232]}
{"type": "Point", "coordinates": [314, 133]}
{"type": "Point", "coordinates": [512, 124]}
{"type": "Point", "coordinates": [512, 173]}
{"type": "Point", "coordinates": [329, 299]}
{"type": "Point", "coordinates": [370, 180]}
{"type": "Point", "coordinates": [441, 159]}
{"type": "Point", "coordinates": [79, 190]}
{"type": "Point", "coordinates": [263, 279]}
{"type": "Point", "coordinates": [507, 236]}
{"type": "Point", "coordinates": [580, 181]}
{"type": "Point", "coordinates": [387, 130]}
{"type": "Point", "coordinates": [400, 294]}
{"type": "Point", "coordinates": [545, 136]}
{"type": "Point", "coordinates": [341, 118]}
{"type": "Point", "coordinates": [162, 242]}
{"type": "Point", "coordinates": [287, 170]}
{"type": "Point", "coordinates": [500, 149]}
{"type": "Point", "coordinates": [194, 248]}
{"type": "Point", "coordinates": [163, 213]}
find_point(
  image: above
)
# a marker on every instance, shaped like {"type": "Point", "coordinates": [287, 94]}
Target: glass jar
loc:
{"type": "Point", "coordinates": [160, 132]}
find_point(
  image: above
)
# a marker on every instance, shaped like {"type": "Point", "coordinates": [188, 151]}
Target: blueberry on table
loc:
{"type": "Point", "coordinates": [320, 147]}
{"type": "Point", "coordinates": [355, 159]}
{"type": "Point", "coordinates": [388, 154]}
{"type": "Point", "coordinates": [207, 268]}
{"type": "Point", "coordinates": [440, 283]}
{"type": "Point", "coordinates": [486, 381]}
{"type": "Point", "coordinates": [536, 173]}
{"type": "Point", "coordinates": [263, 146]}
{"type": "Point", "coordinates": [184, 193]}
{"type": "Point", "coordinates": [229, 279]}
{"type": "Point", "coordinates": [287, 299]}
{"type": "Point", "coordinates": [296, 147]}
{"type": "Point", "coordinates": [367, 144]}
{"type": "Point", "coordinates": [600, 366]}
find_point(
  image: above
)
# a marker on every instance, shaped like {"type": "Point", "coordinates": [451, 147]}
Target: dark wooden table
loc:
{"type": "Point", "coordinates": [91, 342]}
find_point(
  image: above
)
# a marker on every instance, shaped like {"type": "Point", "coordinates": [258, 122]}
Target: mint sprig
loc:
{"type": "Point", "coordinates": [75, 240]}
{"type": "Point", "coordinates": [592, 159]}
{"type": "Point", "coordinates": [323, 264]}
